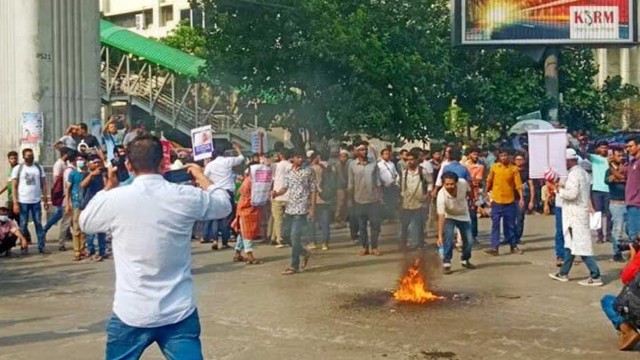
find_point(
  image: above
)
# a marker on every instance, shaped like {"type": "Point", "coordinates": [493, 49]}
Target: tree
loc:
{"type": "Point", "coordinates": [189, 39]}
{"type": "Point", "coordinates": [336, 67]}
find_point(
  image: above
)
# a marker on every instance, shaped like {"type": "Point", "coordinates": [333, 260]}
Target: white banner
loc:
{"type": "Point", "coordinates": [261, 177]}
{"type": "Point", "coordinates": [547, 150]}
{"type": "Point", "coordinates": [202, 142]}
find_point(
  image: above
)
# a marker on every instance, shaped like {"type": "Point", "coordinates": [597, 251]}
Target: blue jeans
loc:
{"type": "Point", "coordinates": [242, 244]}
{"type": "Point", "coordinates": [519, 226]}
{"type": "Point", "coordinates": [176, 341]}
{"type": "Point", "coordinates": [619, 221]}
{"type": "Point", "coordinates": [600, 202]}
{"type": "Point", "coordinates": [607, 302]}
{"type": "Point", "coordinates": [211, 228]}
{"type": "Point", "coordinates": [589, 261]}
{"type": "Point", "coordinates": [507, 213]}
{"type": "Point", "coordinates": [296, 225]}
{"type": "Point", "coordinates": [102, 244]}
{"type": "Point", "coordinates": [35, 210]}
{"type": "Point", "coordinates": [368, 214]}
{"type": "Point", "coordinates": [473, 211]}
{"type": "Point", "coordinates": [464, 227]}
{"type": "Point", "coordinates": [559, 239]}
{"type": "Point", "coordinates": [54, 219]}
{"type": "Point", "coordinates": [412, 221]}
{"type": "Point", "coordinates": [323, 218]}
{"type": "Point", "coordinates": [633, 221]}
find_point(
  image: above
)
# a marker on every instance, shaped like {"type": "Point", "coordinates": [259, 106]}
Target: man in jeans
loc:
{"type": "Point", "coordinates": [151, 221]}
{"type": "Point", "coordinates": [600, 189]}
{"type": "Point", "coordinates": [504, 182]}
{"type": "Point", "coordinates": [220, 172]}
{"type": "Point", "coordinates": [58, 183]}
{"type": "Point", "coordinates": [617, 182]}
{"type": "Point", "coordinates": [29, 194]}
{"type": "Point", "coordinates": [326, 189]}
{"type": "Point", "coordinates": [364, 194]}
{"type": "Point", "coordinates": [342, 177]}
{"type": "Point", "coordinates": [300, 184]}
{"type": "Point", "coordinates": [632, 191]}
{"type": "Point", "coordinates": [389, 179]}
{"type": "Point", "coordinates": [414, 197]}
{"type": "Point", "coordinates": [453, 213]}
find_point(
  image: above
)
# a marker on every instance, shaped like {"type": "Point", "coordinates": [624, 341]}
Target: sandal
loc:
{"type": "Point", "coordinates": [238, 258]}
{"type": "Point", "coordinates": [77, 258]}
{"type": "Point", "coordinates": [289, 271]}
{"type": "Point", "coordinates": [214, 246]}
{"type": "Point", "coordinates": [375, 252]}
{"type": "Point", "coordinates": [364, 252]}
{"type": "Point", "coordinates": [305, 260]}
{"type": "Point", "coordinates": [97, 258]}
{"type": "Point", "coordinates": [253, 261]}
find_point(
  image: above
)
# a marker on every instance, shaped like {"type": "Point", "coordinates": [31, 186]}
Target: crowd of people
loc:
{"type": "Point", "coordinates": [313, 193]}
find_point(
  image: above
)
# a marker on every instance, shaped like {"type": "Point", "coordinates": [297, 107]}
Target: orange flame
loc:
{"type": "Point", "coordinates": [413, 288]}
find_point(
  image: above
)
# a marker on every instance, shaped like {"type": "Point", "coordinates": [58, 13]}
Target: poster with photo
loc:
{"type": "Point", "coordinates": [32, 127]}
{"type": "Point", "coordinates": [202, 142]}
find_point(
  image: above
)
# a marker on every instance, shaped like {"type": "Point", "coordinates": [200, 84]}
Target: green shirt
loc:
{"type": "Point", "coordinates": [10, 185]}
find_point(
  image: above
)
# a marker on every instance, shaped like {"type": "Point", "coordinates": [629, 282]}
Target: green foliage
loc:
{"type": "Point", "coordinates": [189, 39]}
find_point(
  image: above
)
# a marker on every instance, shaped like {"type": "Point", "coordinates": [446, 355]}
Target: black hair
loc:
{"type": "Point", "coordinates": [504, 150]}
{"type": "Point", "coordinates": [634, 138]}
{"type": "Point", "coordinates": [84, 126]}
{"type": "Point", "coordinates": [4, 208]}
{"type": "Point", "coordinates": [12, 153]}
{"type": "Point", "coordinates": [297, 152]}
{"type": "Point", "coordinates": [72, 154]}
{"type": "Point", "coordinates": [602, 143]}
{"type": "Point", "coordinates": [416, 153]}
{"type": "Point", "coordinates": [145, 153]}
{"type": "Point", "coordinates": [474, 149]}
{"type": "Point", "coordinates": [26, 150]}
{"type": "Point", "coordinates": [450, 175]}
{"type": "Point", "coordinates": [118, 147]}
{"type": "Point", "coordinates": [455, 154]}
{"type": "Point", "coordinates": [404, 151]}
{"type": "Point", "coordinates": [385, 149]}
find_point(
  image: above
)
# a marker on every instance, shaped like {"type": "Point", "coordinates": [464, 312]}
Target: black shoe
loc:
{"type": "Point", "coordinates": [44, 251]}
{"type": "Point", "coordinates": [447, 270]}
{"type": "Point", "coordinates": [468, 265]}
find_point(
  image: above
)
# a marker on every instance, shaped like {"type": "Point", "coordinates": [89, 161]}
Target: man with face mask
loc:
{"type": "Point", "coordinates": [73, 198]}
{"type": "Point", "coordinates": [29, 191]}
{"type": "Point", "coordinates": [9, 234]}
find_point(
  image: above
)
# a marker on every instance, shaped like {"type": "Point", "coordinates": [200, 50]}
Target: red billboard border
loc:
{"type": "Point", "coordinates": [458, 18]}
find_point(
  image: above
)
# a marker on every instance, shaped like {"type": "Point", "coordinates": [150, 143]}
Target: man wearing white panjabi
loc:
{"type": "Point", "coordinates": [576, 205]}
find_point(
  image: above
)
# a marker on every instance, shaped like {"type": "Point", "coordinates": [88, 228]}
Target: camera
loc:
{"type": "Point", "coordinates": [626, 246]}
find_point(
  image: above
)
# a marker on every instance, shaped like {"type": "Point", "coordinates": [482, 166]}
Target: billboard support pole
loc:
{"type": "Point", "coordinates": [551, 82]}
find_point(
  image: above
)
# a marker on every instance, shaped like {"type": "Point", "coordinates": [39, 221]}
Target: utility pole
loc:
{"type": "Point", "coordinates": [551, 82]}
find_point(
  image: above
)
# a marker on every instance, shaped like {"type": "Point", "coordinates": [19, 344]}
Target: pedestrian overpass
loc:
{"type": "Point", "coordinates": [164, 82]}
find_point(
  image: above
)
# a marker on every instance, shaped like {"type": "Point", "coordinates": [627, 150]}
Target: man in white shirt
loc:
{"type": "Point", "coordinates": [279, 203]}
{"type": "Point", "coordinates": [453, 212]}
{"type": "Point", "coordinates": [390, 180]}
{"type": "Point", "coordinates": [29, 184]}
{"type": "Point", "coordinates": [151, 221]}
{"type": "Point", "coordinates": [220, 172]}
{"type": "Point", "coordinates": [57, 194]}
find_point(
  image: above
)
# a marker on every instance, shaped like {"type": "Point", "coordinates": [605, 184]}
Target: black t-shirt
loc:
{"type": "Point", "coordinates": [91, 141]}
{"type": "Point", "coordinates": [616, 189]}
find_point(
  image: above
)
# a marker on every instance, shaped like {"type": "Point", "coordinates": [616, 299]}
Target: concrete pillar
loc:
{"type": "Point", "coordinates": [625, 68]}
{"type": "Point", "coordinates": [603, 64]}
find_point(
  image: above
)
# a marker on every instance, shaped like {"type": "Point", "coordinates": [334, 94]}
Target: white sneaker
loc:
{"type": "Point", "coordinates": [280, 246]}
{"type": "Point", "coordinates": [558, 277]}
{"type": "Point", "coordinates": [325, 247]}
{"type": "Point", "coordinates": [591, 282]}
{"type": "Point", "coordinates": [312, 247]}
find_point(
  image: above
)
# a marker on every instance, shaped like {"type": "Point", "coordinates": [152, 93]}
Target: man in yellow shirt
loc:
{"type": "Point", "coordinates": [503, 183]}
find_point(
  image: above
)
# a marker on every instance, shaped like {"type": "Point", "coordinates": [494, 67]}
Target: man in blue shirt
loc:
{"type": "Point", "coordinates": [456, 168]}
{"type": "Point", "coordinates": [599, 189]}
{"type": "Point", "coordinates": [73, 198]}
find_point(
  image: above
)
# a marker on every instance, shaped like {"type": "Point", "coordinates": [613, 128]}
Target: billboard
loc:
{"type": "Point", "coordinates": [544, 22]}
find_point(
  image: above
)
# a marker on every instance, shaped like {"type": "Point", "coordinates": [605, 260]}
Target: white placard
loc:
{"type": "Point", "coordinates": [202, 142]}
{"type": "Point", "coordinates": [547, 149]}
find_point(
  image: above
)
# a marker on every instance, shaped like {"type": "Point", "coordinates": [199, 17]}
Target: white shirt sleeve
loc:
{"type": "Point", "coordinates": [235, 161]}
{"type": "Point", "coordinates": [440, 172]}
{"type": "Point", "coordinates": [440, 206]}
{"type": "Point", "coordinates": [14, 172]}
{"type": "Point", "coordinates": [216, 203]}
{"type": "Point", "coordinates": [97, 215]}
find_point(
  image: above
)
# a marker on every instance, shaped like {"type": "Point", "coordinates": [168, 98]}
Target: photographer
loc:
{"type": "Point", "coordinates": [624, 310]}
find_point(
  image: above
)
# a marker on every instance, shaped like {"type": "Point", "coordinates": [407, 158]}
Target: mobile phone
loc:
{"type": "Point", "coordinates": [178, 176]}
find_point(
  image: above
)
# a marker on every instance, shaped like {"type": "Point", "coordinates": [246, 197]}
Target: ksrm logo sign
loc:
{"type": "Point", "coordinates": [595, 22]}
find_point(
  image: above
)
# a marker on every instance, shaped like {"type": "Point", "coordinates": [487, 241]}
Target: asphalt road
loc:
{"type": "Point", "coordinates": [340, 308]}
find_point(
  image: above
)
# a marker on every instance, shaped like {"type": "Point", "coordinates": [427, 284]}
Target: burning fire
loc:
{"type": "Point", "coordinates": [413, 288]}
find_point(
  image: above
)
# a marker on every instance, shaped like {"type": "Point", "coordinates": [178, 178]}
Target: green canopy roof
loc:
{"type": "Point", "coordinates": [151, 50]}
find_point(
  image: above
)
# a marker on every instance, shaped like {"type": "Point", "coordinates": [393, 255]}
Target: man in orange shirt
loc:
{"type": "Point", "coordinates": [476, 169]}
{"type": "Point", "coordinates": [503, 183]}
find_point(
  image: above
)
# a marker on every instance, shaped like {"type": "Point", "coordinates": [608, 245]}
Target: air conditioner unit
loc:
{"type": "Point", "coordinates": [141, 22]}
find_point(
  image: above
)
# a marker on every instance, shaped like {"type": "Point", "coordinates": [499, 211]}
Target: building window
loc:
{"type": "Point", "coordinates": [185, 14]}
{"type": "Point", "coordinates": [166, 15]}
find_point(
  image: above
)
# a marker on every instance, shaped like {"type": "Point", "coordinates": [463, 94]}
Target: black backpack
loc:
{"type": "Point", "coordinates": [627, 303]}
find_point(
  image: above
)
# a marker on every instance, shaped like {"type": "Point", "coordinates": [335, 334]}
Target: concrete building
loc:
{"type": "Point", "coordinates": [150, 18]}
{"type": "Point", "coordinates": [50, 51]}
{"type": "Point", "coordinates": [624, 62]}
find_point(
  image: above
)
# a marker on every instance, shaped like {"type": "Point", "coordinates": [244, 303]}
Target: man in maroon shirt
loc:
{"type": "Point", "coordinates": [632, 191]}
